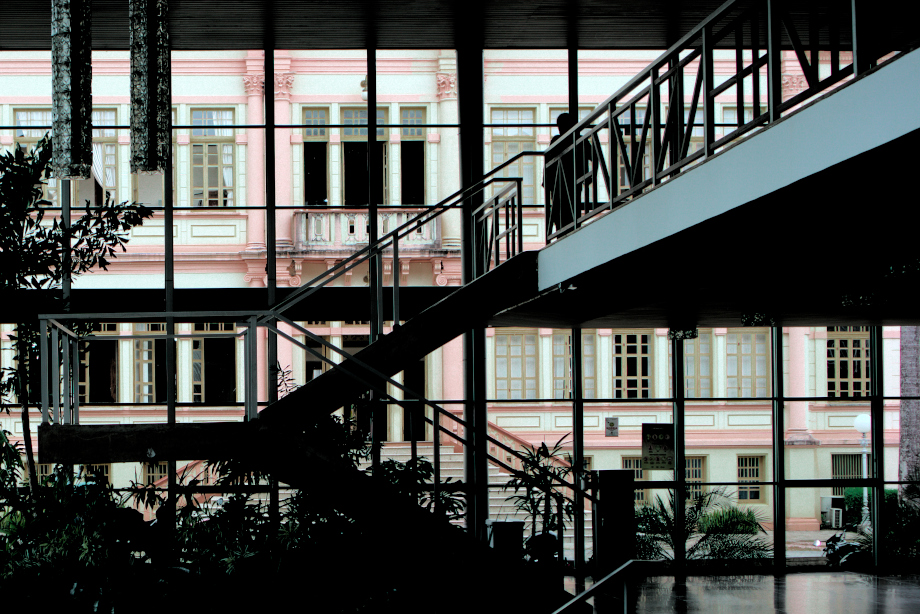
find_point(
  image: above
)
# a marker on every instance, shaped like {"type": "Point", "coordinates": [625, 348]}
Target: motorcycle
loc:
{"type": "Point", "coordinates": [841, 553]}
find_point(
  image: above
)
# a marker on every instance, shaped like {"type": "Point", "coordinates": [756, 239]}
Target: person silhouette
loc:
{"type": "Point", "coordinates": [561, 177]}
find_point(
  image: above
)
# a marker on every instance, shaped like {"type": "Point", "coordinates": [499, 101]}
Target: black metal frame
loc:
{"type": "Point", "coordinates": [758, 33]}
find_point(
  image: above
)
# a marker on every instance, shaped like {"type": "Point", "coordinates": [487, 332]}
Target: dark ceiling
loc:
{"type": "Point", "coordinates": [396, 24]}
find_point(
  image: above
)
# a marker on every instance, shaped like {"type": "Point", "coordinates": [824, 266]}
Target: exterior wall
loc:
{"type": "Point", "coordinates": [225, 246]}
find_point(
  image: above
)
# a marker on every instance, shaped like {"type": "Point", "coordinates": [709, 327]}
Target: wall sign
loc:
{"type": "Point", "coordinates": [611, 427]}
{"type": "Point", "coordinates": [657, 446]}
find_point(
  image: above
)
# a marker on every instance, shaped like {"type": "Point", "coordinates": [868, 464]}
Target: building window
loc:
{"type": "Point", "coordinates": [632, 364]}
{"type": "Point", "coordinates": [154, 472]}
{"type": "Point", "coordinates": [44, 471]}
{"type": "Point", "coordinates": [99, 367]}
{"type": "Point", "coordinates": [149, 188]}
{"type": "Point", "coordinates": [747, 364]}
{"type": "Point", "coordinates": [730, 116]}
{"type": "Point", "coordinates": [316, 156]}
{"type": "Point", "coordinates": [412, 157]}
{"type": "Point", "coordinates": [847, 361]}
{"type": "Point", "coordinates": [562, 366]}
{"type": "Point", "coordinates": [624, 170]}
{"type": "Point", "coordinates": [750, 474]}
{"type": "Point", "coordinates": [635, 464]}
{"type": "Point", "coordinates": [314, 366]}
{"type": "Point", "coordinates": [847, 466]}
{"type": "Point", "coordinates": [102, 186]}
{"type": "Point", "coordinates": [26, 138]}
{"type": "Point", "coordinates": [101, 473]}
{"type": "Point", "coordinates": [355, 190]}
{"type": "Point", "coordinates": [213, 181]}
{"type": "Point", "coordinates": [554, 114]}
{"type": "Point", "coordinates": [696, 475]}
{"type": "Point", "coordinates": [509, 141]}
{"type": "Point", "coordinates": [150, 365]}
{"type": "Point", "coordinates": [516, 366]}
{"type": "Point", "coordinates": [698, 366]}
{"type": "Point", "coordinates": [213, 362]}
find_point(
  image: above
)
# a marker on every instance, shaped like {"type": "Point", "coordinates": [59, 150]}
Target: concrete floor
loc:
{"type": "Point", "coordinates": [802, 593]}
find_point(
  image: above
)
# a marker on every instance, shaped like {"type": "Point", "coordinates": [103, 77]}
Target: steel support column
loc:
{"type": "Point", "coordinates": [169, 284]}
{"type": "Point", "coordinates": [578, 458]}
{"type": "Point", "coordinates": [877, 414]}
{"type": "Point", "coordinates": [271, 221]}
{"type": "Point", "coordinates": [375, 264]}
{"type": "Point", "coordinates": [779, 450]}
{"type": "Point", "coordinates": [470, 102]}
{"type": "Point", "coordinates": [573, 81]}
{"type": "Point", "coordinates": [680, 471]}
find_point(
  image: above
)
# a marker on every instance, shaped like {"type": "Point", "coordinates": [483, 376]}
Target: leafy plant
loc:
{"type": "Point", "coordinates": [415, 479]}
{"type": "Point", "coordinates": [38, 253]}
{"type": "Point", "coordinates": [538, 486]}
{"type": "Point", "coordinates": [712, 525]}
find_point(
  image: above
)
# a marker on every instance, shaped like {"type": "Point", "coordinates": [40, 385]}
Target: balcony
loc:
{"type": "Point", "coordinates": [345, 230]}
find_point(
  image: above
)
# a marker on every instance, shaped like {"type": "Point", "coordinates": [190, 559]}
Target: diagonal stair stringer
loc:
{"type": "Point", "coordinates": [512, 283]}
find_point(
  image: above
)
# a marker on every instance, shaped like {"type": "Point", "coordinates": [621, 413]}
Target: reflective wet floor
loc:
{"type": "Point", "coordinates": [802, 593]}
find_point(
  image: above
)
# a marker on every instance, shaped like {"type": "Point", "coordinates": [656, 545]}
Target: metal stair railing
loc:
{"type": "Point", "coordinates": [652, 132]}
{"type": "Point", "coordinates": [615, 579]}
{"type": "Point", "coordinates": [414, 400]}
{"type": "Point", "coordinates": [508, 201]}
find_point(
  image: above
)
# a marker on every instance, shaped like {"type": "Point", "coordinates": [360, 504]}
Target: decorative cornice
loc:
{"type": "Point", "coordinates": [447, 85]}
{"type": "Point", "coordinates": [793, 84]}
{"type": "Point", "coordinates": [254, 84]}
{"type": "Point", "coordinates": [283, 84]}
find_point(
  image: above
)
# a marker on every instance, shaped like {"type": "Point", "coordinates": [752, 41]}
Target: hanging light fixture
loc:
{"type": "Point", "coordinates": [71, 79]}
{"type": "Point", "coordinates": [151, 114]}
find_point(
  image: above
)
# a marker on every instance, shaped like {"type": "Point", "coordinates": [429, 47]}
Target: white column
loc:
{"type": "Point", "coordinates": [448, 146]}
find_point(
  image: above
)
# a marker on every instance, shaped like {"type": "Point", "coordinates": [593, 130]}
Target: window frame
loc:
{"type": "Point", "coordinates": [523, 378]}
{"type": "Point", "coordinates": [223, 137]}
{"type": "Point", "coordinates": [634, 463]}
{"type": "Point", "coordinates": [523, 140]}
{"type": "Point", "coordinates": [835, 338]}
{"type": "Point", "coordinates": [695, 483]}
{"type": "Point", "coordinates": [753, 481]}
{"type": "Point", "coordinates": [737, 391]}
{"type": "Point", "coordinates": [620, 382]}
{"type": "Point", "coordinates": [562, 388]}
{"type": "Point", "coordinates": [51, 189]}
{"type": "Point", "coordinates": [695, 358]}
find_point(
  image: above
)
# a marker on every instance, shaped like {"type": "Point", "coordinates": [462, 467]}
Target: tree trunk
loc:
{"type": "Point", "coordinates": [909, 448]}
{"type": "Point", "coordinates": [23, 351]}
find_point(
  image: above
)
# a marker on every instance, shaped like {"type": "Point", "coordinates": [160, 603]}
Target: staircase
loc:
{"type": "Point", "coordinates": [500, 508]}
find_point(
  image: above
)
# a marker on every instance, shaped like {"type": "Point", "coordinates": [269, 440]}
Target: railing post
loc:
{"type": "Point", "coordinates": [654, 103]}
{"type": "Point", "coordinates": [43, 353]}
{"type": "Point", "coordinates": [396, 272]}
{"type": "Point", "coordinates": [774, 61]}
{"type": "Point", "coordinates": [55, 376]}
{"type": "Point", "coordinates": [252, 388]}
{"type": "Point", "coordinates": [67, 388]}
{"type": "Point", "coordinates": [520, 215]}
{"type": "Point", "coordinates": [709, 111]}
{"type": "Point", "coordinates": [75, 348]}
{"type": "Point", "coordinates": [860, 52]}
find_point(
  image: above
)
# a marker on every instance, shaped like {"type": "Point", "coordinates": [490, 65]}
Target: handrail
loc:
{"type": "Point", "coordinates": [453, 201]}
{"type": "Point", "coordinates": [651, 124]}
{"type": "Point", "coordinates": [415, 397]}
{"type": "Point", "coordinates": [588, 593]}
